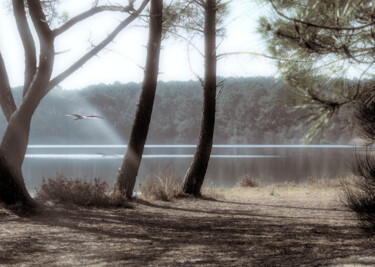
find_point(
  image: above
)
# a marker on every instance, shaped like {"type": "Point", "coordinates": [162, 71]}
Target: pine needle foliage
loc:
{"type": "Point", "coordinates": [317, 45]}
{"type": "Point", "coordinates": [186, 18]}
{"type": "Point", "coordinates": [360, 193]}
{"type": "Point", "coordinates": [365, 115]}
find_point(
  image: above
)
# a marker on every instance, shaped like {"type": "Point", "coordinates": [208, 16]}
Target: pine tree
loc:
{"type": "Point", "coordinates": [318, 44]}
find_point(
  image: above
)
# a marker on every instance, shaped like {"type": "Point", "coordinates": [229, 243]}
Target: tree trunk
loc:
{"type": "Point", "coordinates": [195, 175]}
{"type": "Point", "coordinates": [13, 192]}
{"type": "Point", "coordinates": [16, 137]}
{"type": "Point", "coordinates": [6, 98]}
{"type": "Point", "coordinates": [12, 153]}
{"type": "Point", "coordinates": [129, 168]}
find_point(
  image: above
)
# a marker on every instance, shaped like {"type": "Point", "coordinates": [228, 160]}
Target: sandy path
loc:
{"type": "Point", "coordinates": [263, 231]}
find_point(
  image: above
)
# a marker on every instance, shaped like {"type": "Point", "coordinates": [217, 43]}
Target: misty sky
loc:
{"type": "Point", "coordinates": [120, 62]}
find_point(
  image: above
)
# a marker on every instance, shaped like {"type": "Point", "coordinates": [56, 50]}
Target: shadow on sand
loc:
{"type": "Point", "coordinates": [187, 232]}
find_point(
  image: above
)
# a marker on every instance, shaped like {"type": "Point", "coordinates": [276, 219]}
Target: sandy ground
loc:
{"type": "Point", "coordinates": [268, 226]}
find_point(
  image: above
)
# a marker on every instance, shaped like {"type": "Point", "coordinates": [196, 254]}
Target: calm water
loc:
{"type": "Point", "coordinates": [267, 163]}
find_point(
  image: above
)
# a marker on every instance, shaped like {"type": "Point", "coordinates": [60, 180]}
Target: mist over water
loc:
{"type": "Point", "coordinates": [267, 163]}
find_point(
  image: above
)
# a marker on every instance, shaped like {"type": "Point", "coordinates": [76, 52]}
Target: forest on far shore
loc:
{"type": "Point", "coordinates": [249, 111]}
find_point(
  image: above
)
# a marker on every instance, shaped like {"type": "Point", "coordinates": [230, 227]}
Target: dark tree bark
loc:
{"type": "Point", "coordinates": [14, 143]}
{"type": "Point", "coordinates": [195, 175]}
{"type": "Point", "coordinates": [38, 83]}
{"type": "Point", "coordinates": [130, 165]}
{"type": "Point", "coordinates": [27, 42]}
{"type": "Point", "coordinates": [12, 189]}
{"type": "Point", "coordinates": [6, 98]}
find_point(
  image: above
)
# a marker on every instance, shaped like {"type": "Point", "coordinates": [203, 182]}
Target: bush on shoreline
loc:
{"type": "Point", "coordinates": [360, 193]}
{"type": "Point", "coordinates": [165, 186]}
{"type": "Point", "coordinates": [248, 181]}
{"type": "Point", "coordinates": [78, 191]}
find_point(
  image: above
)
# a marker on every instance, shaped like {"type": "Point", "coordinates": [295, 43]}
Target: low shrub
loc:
{"type": "Point", "coordinates": [165, 186]}
{"type": "Point", "coordinates": [359, 194]}
{"type": "Point", "coordinates": [247, 181]}
{"type": "Point", "coordinates": [79, 192]}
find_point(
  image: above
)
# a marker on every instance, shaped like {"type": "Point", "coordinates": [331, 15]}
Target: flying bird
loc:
{"type": "Point", "coordinates": [81, 117]}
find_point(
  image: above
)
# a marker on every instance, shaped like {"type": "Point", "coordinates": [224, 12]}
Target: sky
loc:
{"type": "Point", "coordinates": [122, 60]}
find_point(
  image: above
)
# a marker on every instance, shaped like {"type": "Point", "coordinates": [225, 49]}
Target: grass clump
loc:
{"type": "Point", "coordinates": [327, 182]}
{"type": "Point", "coordinates": [78, 192]}
{"type": "Point", "coordinates": [359, 194]}
{"type": "Point", "coordinates": [165, 186]}
{"type": "Point", "coordinates": [248, 181]}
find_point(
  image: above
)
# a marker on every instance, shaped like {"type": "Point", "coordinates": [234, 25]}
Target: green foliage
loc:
{"type": "Point", "coordinates": [186, 18]}
{"type": "Point", "coordinates": [165, 186]}
{"type": "Point", "coordinates": [79, 192]}
{"type": "Point", "coordinates": [318, 43]}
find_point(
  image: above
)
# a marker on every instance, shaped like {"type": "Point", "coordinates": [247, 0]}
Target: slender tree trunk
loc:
{"type": "Point", "coordinates": [6, 98]}
{"type": "Point", "coordinates": [16, 137]}
{"type": "Point", "coordinates": [129, 168]}
{"type": "Point", "coordinates": [195, 175]}
{"type": "Point", "coordinates": [13, 147]}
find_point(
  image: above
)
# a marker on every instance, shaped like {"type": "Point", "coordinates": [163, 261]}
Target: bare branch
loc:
{"type": "Point", "coordinates": [199, 2]}
{"type": "Point", "coordinates": [220, 85]}
{"type": "Point", "coordinates": [95, 10]}
{"type": "Point", "coordinates": [187, 27]}
{"type": "Point", "coordinates": [257, 54]}
{"type": "Point", "coordinates": [191, 68]}
{"type": "Point", "coordinates": [59, 78]}
{"type": "Point", "coordinates": [125, 56]}
{"type": "Point", "coordinates": [27, 42]}
{"type": "Point", "coordinates": [63, 52]}
{"type": "Point", "coordinates": [6, 98]}
{"type": "Point", "coordinates": [190, 43]}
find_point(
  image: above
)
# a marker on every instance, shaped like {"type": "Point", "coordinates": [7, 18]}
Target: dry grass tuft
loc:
{"type": "Point", "coordinates": [210, 192]}
{"type": "Point", "coordinates": [78, 192]}
{"type": "Point", "coordinates": [248, 181]}
{"type": "Point", "coordinates": [339, 182]}
{"type": "Point", "coordinates": [165, 186]}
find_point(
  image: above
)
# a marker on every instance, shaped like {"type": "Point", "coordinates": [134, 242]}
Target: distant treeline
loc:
{"type": "Point", "coordinates": [249, 110]}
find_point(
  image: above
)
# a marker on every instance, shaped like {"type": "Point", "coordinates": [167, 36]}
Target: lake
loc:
{"type": "Point", "coordinates": [267, 163]}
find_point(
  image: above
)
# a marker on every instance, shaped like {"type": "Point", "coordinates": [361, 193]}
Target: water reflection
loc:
{"type": "Point", "coordinates": [267, 163]}
{"type": "Point", "coordinates": [113, 156]}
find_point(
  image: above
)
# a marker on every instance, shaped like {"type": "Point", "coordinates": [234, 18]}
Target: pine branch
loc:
{"type": "Point", "coordinates": [310, 24]}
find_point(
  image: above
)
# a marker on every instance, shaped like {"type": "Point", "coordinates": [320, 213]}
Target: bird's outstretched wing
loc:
{"type": "Point", "coordinates": [80, 117]}
{"type": "Point", "coordinates": [74, 116]}
{"type": "Point", "coordinates": [94, 117]}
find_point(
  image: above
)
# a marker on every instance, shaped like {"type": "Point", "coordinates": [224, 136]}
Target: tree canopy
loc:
{"type": "Point", "coordinates": [319, 45]}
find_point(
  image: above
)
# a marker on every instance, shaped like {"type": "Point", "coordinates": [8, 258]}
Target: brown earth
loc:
{"type": "Point", "coordinates": [266, 226]}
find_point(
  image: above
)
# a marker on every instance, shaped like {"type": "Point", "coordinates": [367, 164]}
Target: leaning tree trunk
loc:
{"type": "Point", "coordinates": [16, 137]}
{"type": "Point", "coordinates": [195, 175]}
{"type": "Point", "coordinates": [129, 168]}
{"type": "Point", "coordinates": [13, 147]}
